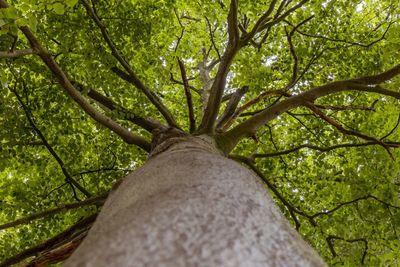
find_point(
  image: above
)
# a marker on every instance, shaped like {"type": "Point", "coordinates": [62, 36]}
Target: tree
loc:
{"type": "Point", "coordinates": [303, 93]}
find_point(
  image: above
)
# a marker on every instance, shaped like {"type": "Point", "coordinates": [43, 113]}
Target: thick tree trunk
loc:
{"type": "Point", "coordinates": [190, 206]}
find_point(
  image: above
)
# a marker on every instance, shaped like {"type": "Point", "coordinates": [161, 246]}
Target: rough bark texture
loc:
{"type": "Point", "coordinates": [190, 206]}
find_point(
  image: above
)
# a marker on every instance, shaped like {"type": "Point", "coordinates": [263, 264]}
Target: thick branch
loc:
{"type": "Point", "coordinates": [379, 78]}
{"type": "Point", "coordinates": [261, 21]}
{"type": "Point", "coordinates": [133, 78]}
{"type": "Point", "coordinates": [218, 86]}
{"type": "Point", "coordinates": [188, 94]}
{"type": "Point", "coordinates": [84, 223]}
{"type": "Point", "coordinates": [62, 208]}
{"type": "Point", "coordinates": [250, 126]}
{"type": "Point", "coordinates": [146, 124]}
{"type": "Point", "coordinates": [75, 94]}
{"type": "Point", "coordinates": [231, 106]}
{"type": "Point", "coordinates": [340, 127]}
{"type": "Point", "coordinates": [17, 53]}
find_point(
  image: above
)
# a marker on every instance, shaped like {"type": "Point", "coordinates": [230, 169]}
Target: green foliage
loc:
{"type": "Point", "coordinates": [345, 39]}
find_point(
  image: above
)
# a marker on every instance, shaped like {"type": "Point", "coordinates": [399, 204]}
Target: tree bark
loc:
{"type": "Point", "coordinates": [191, 206]}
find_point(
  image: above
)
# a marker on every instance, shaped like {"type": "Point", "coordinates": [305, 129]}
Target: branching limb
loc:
{"type": "Point", "coordinates": [261, 21]}
{"type": "Point", "coordinates": [352, 43]}
{"type": "Point", "coordinates": [17, 53]}
{"type": "Point", "coordinates": [340, 127]}
{"type": "Point", "coordinates": [321, 149]}
{"type": "Point", "coordinates": [218, 86]}
{"type": "Point", "coordinates": [75, 94]}
{"type": "Point", "coordinates": [79, 227]}
{"type": "Point", "coordinates": [133, 78]}
{"type": "Point", "coordinates": [182, 31]}
{"type": "Point", "coordinates": [211, 33]}
{"type": "Point", "coordinates": [68, 177]}
{"type": "Point", "coordinates": [231, 106]}
{"type": "Point", "coordinates": [250, 126]}
{"type": "Point", "coordinates": [352, 202]}
{"type": "Point", "coordinates": [188, 94]}
{"type": "Point", "coordinates": [147, 124]}
{"type": "Point", "coordinates": [62, 208]}
{"type": "Point", "coordinates": [172, 79]}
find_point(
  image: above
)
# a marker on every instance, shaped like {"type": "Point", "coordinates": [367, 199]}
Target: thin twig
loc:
{"type": "Point", "coordinates": [68, 177]}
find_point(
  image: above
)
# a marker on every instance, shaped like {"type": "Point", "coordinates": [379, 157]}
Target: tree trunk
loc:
{"type": "Point", "coordinates": [191, 206]}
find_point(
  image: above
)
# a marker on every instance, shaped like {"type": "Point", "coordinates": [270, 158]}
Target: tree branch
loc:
{"type": "Point", "coordinates": [82, 224]}
{"type": "Point", "coordinates": [133, 78]}
{"type": "Point", "coordinates": [147, 124]}
{"type": "Point", "coordinates": [250, 126]}
{"type": "Point", "coordinates": [62, 208]}
{"type": "Point", "coordinates": [231, 106]}
{"type": "Point", "coordinates": [351, 202]}
{"type": "Point", "coordinates": [188, 94]}
{"type": "Point", "coordinates": [321, 149]}
{"type": "Point", "coordinates": [75, 94]}
{"type": "Point", "coordinates": [17, 53]}
{"type": "Point", "coordinates": [218, 86]}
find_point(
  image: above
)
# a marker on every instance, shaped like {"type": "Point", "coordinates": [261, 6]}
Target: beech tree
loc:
{"type": "Point", "coordinates": [206, 108]}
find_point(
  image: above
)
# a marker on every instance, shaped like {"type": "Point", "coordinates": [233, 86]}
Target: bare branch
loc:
{"type": "Point", "coordinates": [62, 208]}
{"type": "Point", "coordinates": [17, 53]}
{"type": "Point", "coordinates": [233, 28]}
{"type": "Point", "coordinates": [251, 103]}
{"type": "Point", "coordinates": [261, 21]}
{"type": "Point", "coordinates": [133, 78]}
{"type": "Point", "coordinates": [218, 86]}
{"type": "Point", "coordinates": [394, 129]}
{"type": "Point", "coordinates": [379, 78]}
{"type": "Point", "coordinates": [77, 227]}
{"type": "Point", "coordinates": [147, 124]}
{"type": "Point", "coordinates": [188, 94]}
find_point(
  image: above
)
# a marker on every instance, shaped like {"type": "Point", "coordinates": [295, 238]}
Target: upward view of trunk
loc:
{"type": "Point", "coordinates": [190, 206]}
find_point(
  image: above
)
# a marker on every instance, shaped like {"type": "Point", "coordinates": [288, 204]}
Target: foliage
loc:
{"type": "Point", "coordinates": [344, 200]}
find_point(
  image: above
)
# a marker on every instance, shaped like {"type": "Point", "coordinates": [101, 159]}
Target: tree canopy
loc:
{"type": "Point", "coordinates": [305, 93]}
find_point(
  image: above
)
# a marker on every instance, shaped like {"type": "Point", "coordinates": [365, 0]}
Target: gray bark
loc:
{"type": "Point", "coordinates": [191, 206]}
